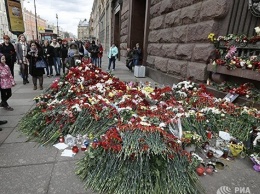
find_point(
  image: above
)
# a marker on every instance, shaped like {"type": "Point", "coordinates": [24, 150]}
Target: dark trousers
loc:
{"type": "Point", "coordinates": [112, 60]}
{"type": "Point", "coordinates": [99, 61]}
{"type": "Point", "coordinates": [94, 61]}
{"type": "Point", "coordinates": [5, 95]}
{"type": "Point", "coordinates": [24, 71]}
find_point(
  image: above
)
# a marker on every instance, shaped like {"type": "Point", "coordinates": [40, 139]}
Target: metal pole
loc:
{"type": "Point", "coordinates": [57, 25]}
{"type": "Point", "coordinates": [35, 13]}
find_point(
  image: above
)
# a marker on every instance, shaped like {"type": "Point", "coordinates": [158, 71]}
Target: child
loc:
{"type": "Point", "coordinates": [6, 83]}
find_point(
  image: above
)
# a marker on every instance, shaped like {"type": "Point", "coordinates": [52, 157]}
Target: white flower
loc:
{"type": "Point", "coordinates": [162, 125]}
{"type": "Point", "coordinates": [145, 123]}
{"type": "Point", "coordinates": [76, 106]}
{"type": "Point", "coordinates": [257, 30]}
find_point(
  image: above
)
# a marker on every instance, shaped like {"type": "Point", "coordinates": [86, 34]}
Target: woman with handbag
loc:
{"type": "Point", "coordinates": [34, 56]}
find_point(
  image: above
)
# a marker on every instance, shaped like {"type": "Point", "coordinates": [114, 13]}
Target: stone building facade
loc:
{"type": "Point", "coordinates": [83, 30]}
{"type": "Point", "coordinates": [174, 33]}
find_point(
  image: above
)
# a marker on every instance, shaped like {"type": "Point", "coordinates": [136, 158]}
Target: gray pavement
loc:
{"type": "Point", "coordinates": [28, 168]}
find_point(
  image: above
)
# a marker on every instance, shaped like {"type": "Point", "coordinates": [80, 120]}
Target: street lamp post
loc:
{"type": "Point", "coordinates": [36, 24]}
{"type": "Point", "coordinates": [57, 25]}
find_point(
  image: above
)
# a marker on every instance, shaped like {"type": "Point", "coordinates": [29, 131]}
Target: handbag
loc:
{"type": "Point", "coordinates": [40, 64]}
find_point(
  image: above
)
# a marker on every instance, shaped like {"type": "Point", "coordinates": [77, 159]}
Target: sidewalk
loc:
{"type": "Point", "coordinates": [28, 168]}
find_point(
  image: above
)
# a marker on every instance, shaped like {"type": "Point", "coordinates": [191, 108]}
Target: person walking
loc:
{"type": "Point", "coordinates": [35, 54]}
{"type": "Point", "coordinates": [56, 56]}
{"type": "Point", "coordinates": [21, 52]}
{"type": "Point", "coordinates": [94, 53]}
{"type": "Point", "coordinates": [6, 83]}
{"type": "Point", "coordinates": [48, 57]}
{"type": "Point", "coordinates": [113, 52]}
{"type": "Point", "coordinates": [137, 54]}
{"type": "Point", "coordinates": [7, 48]}
{"type": "Point", "coordinates": [64, 54]}
{"type": "Point", "coordinates": [100, 55]}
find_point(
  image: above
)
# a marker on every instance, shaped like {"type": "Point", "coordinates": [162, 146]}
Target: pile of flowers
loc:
{"type": "Point", "coordinates": [228, 56]}
{"type": "Point", "coordinates": [138, 145]}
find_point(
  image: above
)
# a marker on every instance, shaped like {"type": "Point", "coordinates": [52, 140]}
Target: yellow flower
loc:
{"type": "Point", "coordinates": [211, 37]}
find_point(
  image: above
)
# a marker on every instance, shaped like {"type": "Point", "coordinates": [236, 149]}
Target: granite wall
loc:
{"type": "Point", "coordinates": [178, 43]}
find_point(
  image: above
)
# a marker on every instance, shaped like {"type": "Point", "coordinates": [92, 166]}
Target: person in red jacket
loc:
{"type": "Point", "coordinates": [100, 55]}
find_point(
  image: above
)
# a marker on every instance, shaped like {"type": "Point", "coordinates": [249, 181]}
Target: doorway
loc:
{"type": "Point", "coordinates": [117, 32]}
{"type": "Point", "coordinates": [138, 17]}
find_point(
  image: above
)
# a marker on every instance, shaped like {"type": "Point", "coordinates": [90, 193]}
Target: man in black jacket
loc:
{"type": "Point", "coordinates": [94, 49]}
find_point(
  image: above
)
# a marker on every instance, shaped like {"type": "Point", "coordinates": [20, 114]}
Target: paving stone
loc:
{"type": "Point", "coordinates": [32, 179]}
{"type": "Point", "coordinates": [6, 131]}
{"type": "Point", "coordinates": [16, 137]}
{"type": "Point", "coordinates": [236, 174]}
{"type": "Point", "coordinates": [64, 180]}
{"type": "Point", "coordinates": [18, 110]}
{"type": "Point", "coordinates": [25, 153]}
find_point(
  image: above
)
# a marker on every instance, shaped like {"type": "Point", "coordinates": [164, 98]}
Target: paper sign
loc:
{"type": "Point", "coordinates": [231, 97]}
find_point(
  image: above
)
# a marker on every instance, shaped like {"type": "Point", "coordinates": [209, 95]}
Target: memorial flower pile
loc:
{"type": "Point", "coordinates": [230, 54]}
{"type": "Point", "coordinates": [136, 144]}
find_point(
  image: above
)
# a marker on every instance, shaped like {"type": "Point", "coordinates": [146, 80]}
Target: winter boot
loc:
{"type": "Point", "coordinates": [41, 82]}
{"type": "Point", "coordinates": [34, 79]}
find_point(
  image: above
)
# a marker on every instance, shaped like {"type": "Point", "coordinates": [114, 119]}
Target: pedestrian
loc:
{"type": "Point", "coordinates": [100, 55]}
{"type": "Point", "coordinates": [64, 54]}
{"type": "Point", "coordinates": [35, 54]}
{"type": "Point", "coordinates": [113, 52]}
{"type": "Point", "coordinates": [129, 58]}
{"type": "Point", "coordinates": [137, 54]}
{"type": "Point", "coordinates": [7, 48]}
{"type": "Point", "coordinates": [48, 57]}
{"type": "Point", "coordinates": [94, 52]}
{"type": "Point", "coordinates": [56, 56]}
{"type": "Point", "coordinates": [2, 122]}
{"type": "Point", "coordinates": [6, 83]}
{"type": "Point", "coordinates": [21, 52]}
{"type": "Point", "coordinates": [73, 54]}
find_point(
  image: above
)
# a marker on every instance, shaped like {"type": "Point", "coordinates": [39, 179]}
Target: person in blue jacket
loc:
{"type": "Point", "coordinates": [112, 55]}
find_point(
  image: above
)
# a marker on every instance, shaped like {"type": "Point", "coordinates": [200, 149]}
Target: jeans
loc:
{"type": "Point", "coordinates": [135, 62]}
{"type": "Point", "coordinates": [49, 69]}
{"type": "Point", "coordinates": [112, 60]}
{"type": "Point", "coordinates": [94, 60]}
{"type": "Point", "coordinates": [99, 61]}
{"type": "Point", "coordinates": [56, 61]}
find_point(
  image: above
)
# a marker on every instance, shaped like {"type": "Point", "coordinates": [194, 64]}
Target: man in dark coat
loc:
{"type": "Point", "coordinates": [8, 50]}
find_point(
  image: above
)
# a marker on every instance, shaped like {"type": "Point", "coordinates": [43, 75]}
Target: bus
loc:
{"type": "Point", "coordinates": [48, 35]}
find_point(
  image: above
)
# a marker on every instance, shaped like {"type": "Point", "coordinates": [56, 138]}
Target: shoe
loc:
{"type": "Point", "coordinates": [1, 104]}
{"type": "Point", "coordinates": [51, 74]}
{"type": "Point", "coordinates": [3, 122]}
{"type": "Point", "coordinates": [57, 74]}
{"type": "Point", "coordinates": [41, 88]}
{"type": "Point", "coordinates": [1, 129]}
{"type": "Point", "coordinates": [24, 82]}
{"type": "Point", "coordinates": [48, 75]}
{"type": "Point", "coordinates": [27, 81]}
{"type": "Point", "coordinates": [8, 108]}
{"type": "Point", "coordinates": [34, 87]}
{"type": "Point", "coordinates": [113, 69]}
